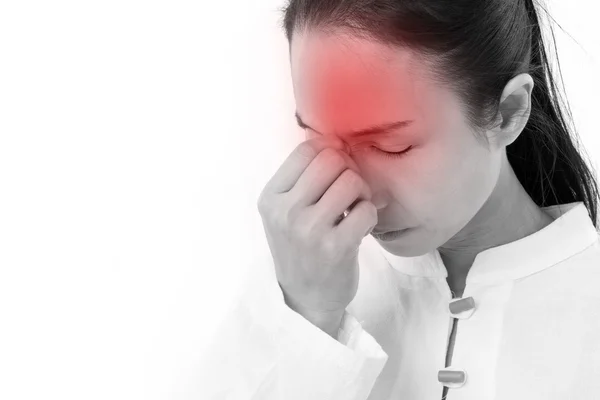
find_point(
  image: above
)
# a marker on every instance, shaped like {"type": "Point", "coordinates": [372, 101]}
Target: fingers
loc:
{"type": "Point", "coordinates": [346, 191]}
{"type": "Point", "coordinates": [358, 223]}
{"type": "Point", "coordinates": [319, 176]}
{"type": "Point", "coordinates": [292, 168]}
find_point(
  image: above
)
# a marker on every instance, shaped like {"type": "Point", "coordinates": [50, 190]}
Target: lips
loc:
{"type": "Point", "coordinates": [383, 231]}
{"type": "Point", "coordinates": [389, 235]}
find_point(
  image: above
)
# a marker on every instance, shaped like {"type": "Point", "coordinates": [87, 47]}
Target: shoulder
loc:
{"type": "Point", "coordinates": [575, 276]}
{"type": "Point", "coordinates": [584, 270]}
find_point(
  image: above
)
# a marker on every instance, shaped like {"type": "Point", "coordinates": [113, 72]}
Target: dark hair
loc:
{"type": "Point", "coordinates": [480, 45]}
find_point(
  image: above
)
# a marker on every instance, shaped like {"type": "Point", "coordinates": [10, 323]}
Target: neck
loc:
{"type": "Point", "coordinates": [509, 214]}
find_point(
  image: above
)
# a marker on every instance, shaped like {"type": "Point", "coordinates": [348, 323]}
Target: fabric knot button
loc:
{"type": "Point", "coordinates": [462, 308]}
{"type": "Point", "coordinates": [452, 377]}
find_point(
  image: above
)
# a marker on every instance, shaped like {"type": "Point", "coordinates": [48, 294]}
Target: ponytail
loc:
{"type": "Point", "coordinates": [544, 156]}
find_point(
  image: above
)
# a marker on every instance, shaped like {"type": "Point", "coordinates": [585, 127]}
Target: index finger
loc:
{"type": "Point", "coordinates": [294, 165]}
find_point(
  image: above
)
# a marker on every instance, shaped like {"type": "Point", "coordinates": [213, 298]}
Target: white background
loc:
{"type": "Point", "coordinates": [135, 137]}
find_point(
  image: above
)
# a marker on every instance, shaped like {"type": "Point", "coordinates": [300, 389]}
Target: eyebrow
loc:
{"type": "Point", "coordinates": [373, 130]}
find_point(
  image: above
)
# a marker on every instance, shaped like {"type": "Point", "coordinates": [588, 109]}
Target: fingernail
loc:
{"type": "Point", "coordinates": [347, 148]}
{"type": "Point", "coordinates": [344, 145]}
{"type": "Point", "coordinates": [378, 201]}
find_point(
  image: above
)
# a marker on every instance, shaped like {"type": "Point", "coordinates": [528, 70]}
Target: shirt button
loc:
{"type": "Point", "coordinates": [462, 308]}
{"type": "Point", "coordinates": [452, 377]}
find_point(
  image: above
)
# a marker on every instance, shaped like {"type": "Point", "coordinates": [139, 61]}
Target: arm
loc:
{"type": "Point", "coordinates": [265, 350]}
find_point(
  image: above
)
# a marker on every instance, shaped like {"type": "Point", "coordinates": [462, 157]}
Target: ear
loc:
{"type": "Point", "coordinates": [513, 112]}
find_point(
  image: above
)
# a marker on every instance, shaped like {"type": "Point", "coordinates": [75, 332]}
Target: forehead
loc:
{"type": "Point", "coordinates": [343, 83]}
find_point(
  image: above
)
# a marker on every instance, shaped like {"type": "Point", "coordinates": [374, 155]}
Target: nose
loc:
{"type": "Point", "coordinates": [379, 197]}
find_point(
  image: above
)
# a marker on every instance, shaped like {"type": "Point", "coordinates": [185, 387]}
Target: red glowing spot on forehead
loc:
{"type": "Point", "coordinates": [347, 88]}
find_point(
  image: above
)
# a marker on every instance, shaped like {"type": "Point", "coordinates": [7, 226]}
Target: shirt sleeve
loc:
{"type": "Point", "coordinates": [265, 350]}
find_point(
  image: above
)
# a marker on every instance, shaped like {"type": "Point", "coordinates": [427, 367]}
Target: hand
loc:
{"type": "Point", "coordinates": [314, 250]}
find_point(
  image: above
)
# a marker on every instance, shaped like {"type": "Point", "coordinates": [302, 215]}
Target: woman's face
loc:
{"type": "Point", "coordinates": [344, 85]}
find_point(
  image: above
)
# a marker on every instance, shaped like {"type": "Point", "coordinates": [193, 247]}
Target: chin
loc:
{"type": "Point", "coordinates": [403, 251]}
{"type": "Point", "coordinates": [406, 246]}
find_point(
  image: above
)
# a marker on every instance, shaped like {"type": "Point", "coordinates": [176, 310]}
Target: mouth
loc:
{"type": "Point", "coordinates": [382, 231]}
{"type": "Point", "coordinates": [388, 236]}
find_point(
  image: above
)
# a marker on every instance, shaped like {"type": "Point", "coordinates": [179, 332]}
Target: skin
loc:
{"type": "Point", "coordinates": [453, 190]}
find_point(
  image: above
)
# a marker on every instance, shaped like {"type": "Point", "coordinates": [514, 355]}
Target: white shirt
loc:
{"type": "Point", "coordinates": [534, 332]}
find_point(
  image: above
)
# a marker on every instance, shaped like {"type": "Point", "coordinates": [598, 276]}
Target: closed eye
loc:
{"type": "Point", "coordinates": [390, 154]}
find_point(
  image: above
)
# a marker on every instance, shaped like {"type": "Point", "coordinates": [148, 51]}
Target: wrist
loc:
{"type": "Point", "coordinates": [329, 322]}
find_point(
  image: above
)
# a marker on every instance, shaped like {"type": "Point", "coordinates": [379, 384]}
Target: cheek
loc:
{"type": "Point", "coordinates": [435, 192]}
{"type": "Point", "coordinates": [463, 183]}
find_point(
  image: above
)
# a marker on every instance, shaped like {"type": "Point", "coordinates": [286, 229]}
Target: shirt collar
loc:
{"type": "Point", "coordinates": [571, 232]}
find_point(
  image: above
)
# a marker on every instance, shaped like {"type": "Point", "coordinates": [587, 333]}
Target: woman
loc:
{"type": "Point", "coordinates": [435, 127]}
